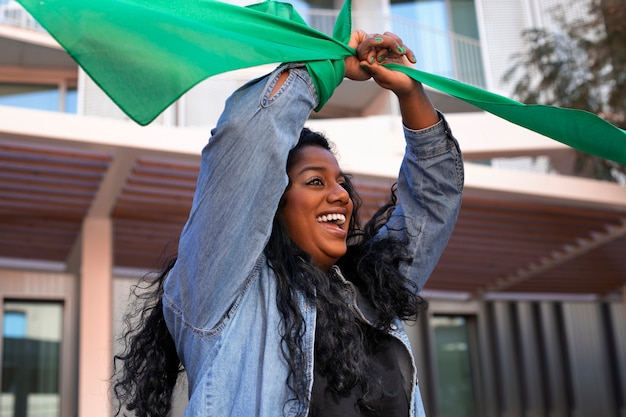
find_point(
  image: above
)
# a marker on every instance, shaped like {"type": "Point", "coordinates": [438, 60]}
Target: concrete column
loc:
{"type": "Point", "coordinates": [95, 329]}
{"type": "Point", "coordinates": [373, 16]}
{"type": "Point", "coordinates": [370, 15]}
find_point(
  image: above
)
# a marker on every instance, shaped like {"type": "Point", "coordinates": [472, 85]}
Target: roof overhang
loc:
{"type": "Point", "coordinates": [518, 232]}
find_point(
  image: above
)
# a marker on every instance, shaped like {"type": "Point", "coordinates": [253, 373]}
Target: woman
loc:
{"type": "Point", "coordinates": [278, 302]}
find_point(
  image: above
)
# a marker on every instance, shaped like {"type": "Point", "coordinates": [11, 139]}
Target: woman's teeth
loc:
{"type": "Point", "coordinates": [338, 219]}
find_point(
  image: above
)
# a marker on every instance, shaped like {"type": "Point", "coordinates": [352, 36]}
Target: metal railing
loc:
{"type": "Point", "coordinates": [438, 52]}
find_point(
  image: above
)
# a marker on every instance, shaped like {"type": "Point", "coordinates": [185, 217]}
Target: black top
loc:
{"type": "Point", "coordinates": [394, 401]}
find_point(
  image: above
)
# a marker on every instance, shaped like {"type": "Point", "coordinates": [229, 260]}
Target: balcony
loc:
{"type": "Point", "coordinates": [439, 52]}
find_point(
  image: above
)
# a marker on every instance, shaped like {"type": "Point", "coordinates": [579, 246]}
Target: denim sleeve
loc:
{"type": "Point", "coordinates": [242, 177]}
{"type": "Point", "coordinates": [430, 185]}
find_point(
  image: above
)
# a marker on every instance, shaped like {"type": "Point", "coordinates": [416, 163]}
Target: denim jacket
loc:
{"type": "Point", "coordinates": [220, 297]}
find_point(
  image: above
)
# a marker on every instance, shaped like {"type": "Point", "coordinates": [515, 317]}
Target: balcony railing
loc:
{"type": "Point", "coordinates": [439, 52]}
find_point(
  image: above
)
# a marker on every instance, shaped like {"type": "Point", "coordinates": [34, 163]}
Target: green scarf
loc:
{"type": "Point", "coordinates": [145, 54]}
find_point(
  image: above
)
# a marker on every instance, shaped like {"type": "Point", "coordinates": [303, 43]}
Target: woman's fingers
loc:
{"type": "Point", "coordinates": [373, 50]}
{"type": "Point", "coordinates": [381, 47]}
{"type": "Point", "coordinates": [400, 49]}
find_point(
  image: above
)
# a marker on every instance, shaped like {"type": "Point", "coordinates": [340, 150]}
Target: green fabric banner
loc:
{"type": "Point", "coordinates": [145, 54]}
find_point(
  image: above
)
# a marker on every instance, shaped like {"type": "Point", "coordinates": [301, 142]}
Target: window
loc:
{"type": "Point", "coordinates": [31, 340]}
{"type": "Point", "coordinates": [40, 97]}
{"type": "Point", "coordinates": [457, 16]}
{"type": "Point", "coordinates": [455, 391]}
{"type": "Point", "coordinates": [14, 324]}
{"type": "Point", "coordinates": [444, 36]}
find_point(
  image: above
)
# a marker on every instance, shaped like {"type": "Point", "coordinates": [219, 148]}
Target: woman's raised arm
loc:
{"type": "Point", "coordinates": [242, 177]}
{"type": "Point", "coordinates": [431, 177]}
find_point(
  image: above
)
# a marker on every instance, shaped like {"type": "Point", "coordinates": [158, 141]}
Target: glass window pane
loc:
{"type": "Point", "coordinates": [14, 324]}
{"type": "Point", "coordinates": [39, 97]}
{"type": "Point", "coordinates": [424, 26]}
{"type": "Point", "coordinates": [464, 18]}
{"type": "Point", "coordinates": [444, 36]}
{"type": "Point", "coordinates": [31, 344]}
{"type": "Point", "coordinates": [455, 392]}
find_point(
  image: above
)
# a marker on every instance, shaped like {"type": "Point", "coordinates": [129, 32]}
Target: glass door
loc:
{"type": "Point", "coordinates": [31, 353]}
{"type": "Point", "coordinates": [455, 390]}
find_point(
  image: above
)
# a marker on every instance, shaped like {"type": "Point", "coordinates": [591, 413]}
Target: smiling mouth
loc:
{"type": "Point", "coordinates": [335, 218]}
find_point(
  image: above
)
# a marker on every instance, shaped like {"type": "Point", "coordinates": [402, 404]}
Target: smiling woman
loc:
{"type": "Point", "coordinates": [279, 301]}
{"type": "Point", "coordinates": [316, 207]}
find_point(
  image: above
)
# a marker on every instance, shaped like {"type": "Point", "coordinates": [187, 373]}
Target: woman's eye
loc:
{"type": "Point", "coordinates": [315, 181]}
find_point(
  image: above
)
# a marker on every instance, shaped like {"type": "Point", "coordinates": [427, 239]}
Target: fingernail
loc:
{"type": "Point", "coordinates": [401, 50]}
{"type": "Point", "coordinates": [364, 67]}
{"type": "Point", "coordinates": [381, 58]}
{"type": "Point", "coordinates": [371, 60]}
{"type": "Point", "coordinates": [378, 39]}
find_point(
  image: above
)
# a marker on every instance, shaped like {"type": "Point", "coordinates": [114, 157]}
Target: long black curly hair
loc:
{"type": "Point", "coordinates": [147, 370]}
{"type": "Point", "coordinates": [150, 367]}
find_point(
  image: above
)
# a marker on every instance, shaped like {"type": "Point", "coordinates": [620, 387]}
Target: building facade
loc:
{"type": "Point", "coordinates": [526, 307]}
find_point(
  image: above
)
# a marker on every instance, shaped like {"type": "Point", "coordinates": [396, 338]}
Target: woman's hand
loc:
{"type": "Point", "coordinates": [379, 49]}
{"type": "Point", "coordinates": [374, 50]}
{"type": "Point", "coordinates": [354, 71]}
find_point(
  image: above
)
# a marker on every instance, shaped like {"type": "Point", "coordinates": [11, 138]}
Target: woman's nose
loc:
{"type": "Point", "coordinates": [339, 193]}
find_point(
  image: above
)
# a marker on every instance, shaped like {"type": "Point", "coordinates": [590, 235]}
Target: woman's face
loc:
{"type": "Point", "coordinates": [316, 207]}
